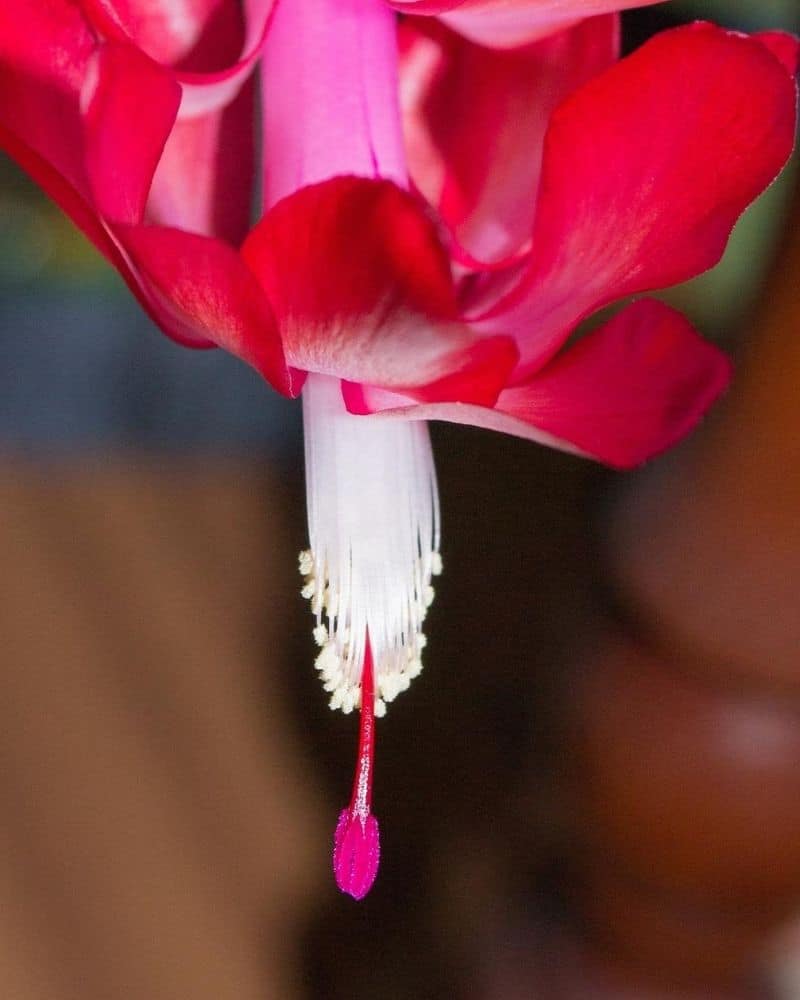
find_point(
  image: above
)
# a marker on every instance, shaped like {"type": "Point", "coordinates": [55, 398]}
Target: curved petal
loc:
{"type": "Point", "coordinates": [785, 47]}
{"type": "Point", "coordinates": [204, 179]}
{"type": "Point", "coordinates": [481, 169]}
{"type": "Point", "coordinates": [130, 103]}
{"type": "Point", "coordinates": [206, 283]}
{"type": "Point", "coordinates": [642, 182]}
{"type": "Point", "coordinates": [203, 40]}
{"type": "Point", "coordinates": [44, 52]}
{"type": "Point", "coordinates": [509, 23]}
{"type": "Point", "coordinates": [361, 289]}
{"type": "Point", "coordinates": [624, 393]}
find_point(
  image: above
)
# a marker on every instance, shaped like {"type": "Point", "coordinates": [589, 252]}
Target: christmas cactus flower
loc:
{"type": "Point", "coordinates": [564, 182]}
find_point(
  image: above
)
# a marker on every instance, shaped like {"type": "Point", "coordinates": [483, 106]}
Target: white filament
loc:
{"type": "Point", "coordinates": [373, 521]}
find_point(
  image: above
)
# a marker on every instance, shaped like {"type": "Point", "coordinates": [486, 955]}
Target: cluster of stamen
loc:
{"type": "Point", "coordinates": [373, 520]}
{"type": "Point", "coordinates": [336, 663]}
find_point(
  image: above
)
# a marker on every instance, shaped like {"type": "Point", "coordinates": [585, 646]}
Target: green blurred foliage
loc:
{"type": "Point", "coordinates": [721, 301]}
{"type": "Point", "coordinates": [753, 14]}
{"type": "Point", "coordinates": [38, 243]}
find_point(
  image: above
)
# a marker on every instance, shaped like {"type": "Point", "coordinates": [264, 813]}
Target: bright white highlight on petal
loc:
{"type": "Point", "coordinates": [373, 521]}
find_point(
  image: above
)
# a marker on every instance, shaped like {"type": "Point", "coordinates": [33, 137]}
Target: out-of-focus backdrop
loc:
{"type": "Point", "coordinates": [592, 791]}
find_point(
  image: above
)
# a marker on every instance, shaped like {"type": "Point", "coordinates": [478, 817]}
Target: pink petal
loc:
{"type": "Point", "coordinates": [204, 179]}
{"type": "Point", "coordinates": [130, 106]}
{"type": "Point", "coordinates": [204, 40]}
{"type": "Point", "coordinates": [481, 169]}
{"type": "Point", "coordinates": [335, 110]}
{"type": "Point", "coordinates": [44, 51]}
{"type": "Point", "coordinates": [361, 288]}
{"type": "Point", "coordinates": [623, 394]}
{"type": "Point", "coordinates": [509, 23]}
{"type": "Point", "coordinates": [205, 283]}
{"type": "Point", "coordinates": [642, 182]}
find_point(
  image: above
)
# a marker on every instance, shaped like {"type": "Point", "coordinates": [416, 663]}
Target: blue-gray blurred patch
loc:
{"type": "Point", "coordinates": [85, 370]}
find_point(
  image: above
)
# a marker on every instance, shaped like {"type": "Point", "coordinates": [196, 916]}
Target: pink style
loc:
{"type": "Point", "coordinates": [438, 218]}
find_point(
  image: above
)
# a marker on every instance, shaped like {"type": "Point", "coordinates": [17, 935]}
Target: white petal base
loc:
{"type": "Point", "coordinates": [373, 520]}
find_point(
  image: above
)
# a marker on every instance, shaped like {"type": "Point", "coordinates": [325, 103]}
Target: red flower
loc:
{"type": "Point", "coordinates": [563, 180]}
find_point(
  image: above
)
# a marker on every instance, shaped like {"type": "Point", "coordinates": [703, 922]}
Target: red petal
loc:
{"type": "Point", "coordinates": [86, 219]}
{"type": "Point", "coordinates": [621, 395]}
{"type": "Point", "coordinates": [627, 391]}
{"type": "Point", "coordinates": [44, 51]}
{"type": "Point", "coordinates": [642, 181]}
{"type": "Point", "coordinates": [509, 23]}
{"type": "Point", "coordinates": [481, 169]}
{"type": "Point", "coordinates": [361, 288]}
{"type": "Point", "coordinates": [206, 284]}
{"type": "Point", "coordinates": [204, 40]}
{"type": "Point", "coordinates": [131, 103]}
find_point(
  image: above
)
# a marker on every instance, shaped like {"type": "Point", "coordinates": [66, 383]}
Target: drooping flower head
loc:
{"type": "Point", "coordinates": [416, 262]}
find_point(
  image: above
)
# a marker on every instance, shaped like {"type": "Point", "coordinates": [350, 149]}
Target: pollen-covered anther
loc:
{"type": "Point", "coordinates": [373, 517]}
{"type": "Point", "coordinates": [327, 657]}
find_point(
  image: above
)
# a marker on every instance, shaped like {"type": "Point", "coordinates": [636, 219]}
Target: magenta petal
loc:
{"type": "Point", "coordinates": [642, 182]}
{"type": "Point", "coordinates": [201, 39]}
{"type": "Point", "coordinates": [205, 92]}
{"type": "Point", "coordinates": [510, 23]}
{"type": "Point", "coordinates": [207, 286]}
{"type": "Point", "coordinates": [204, 179]}
{"type": "Point", "coordinates": [130, 106]}
{"type": "Point", "coordinates": [481, 170]}
{"type": "Point", "coordinates": [356, 853]}
{"type": "Point", "coordinates": [334, 111]}
{"type": "Point", "coordinates": [623, 394]}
